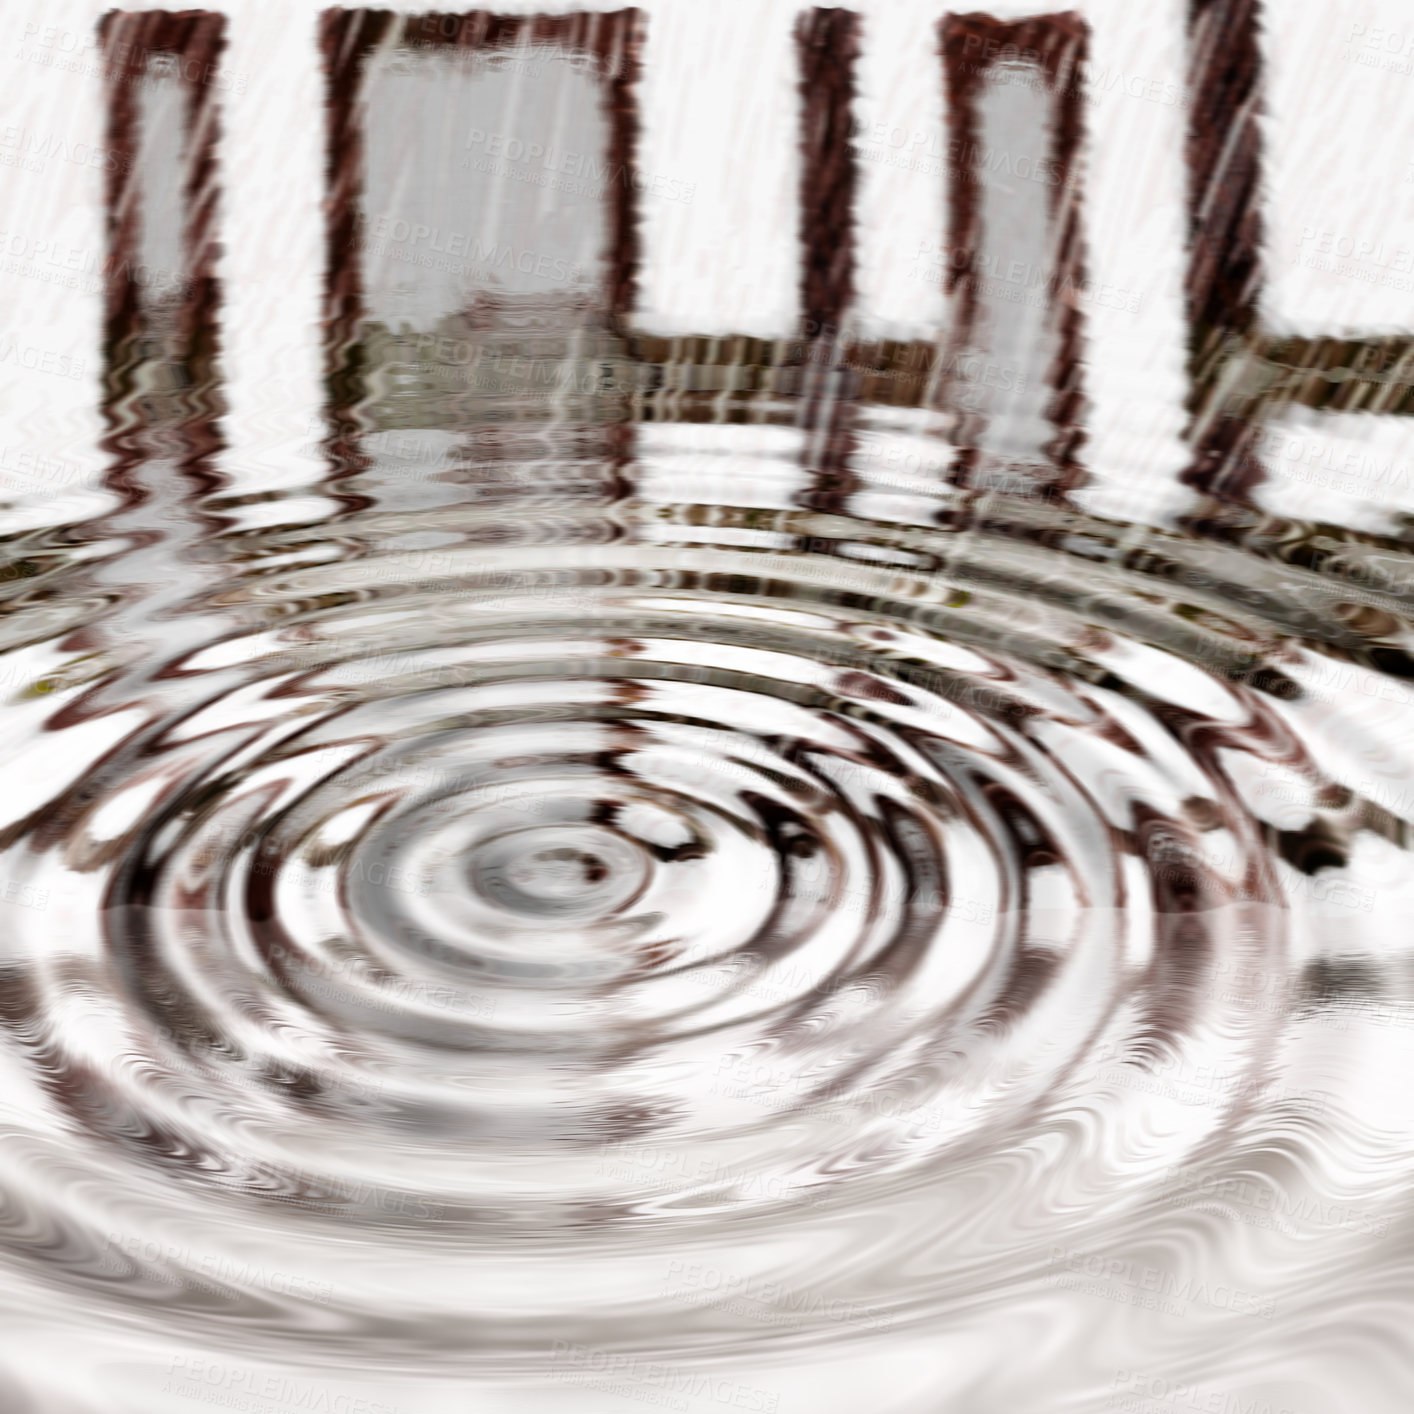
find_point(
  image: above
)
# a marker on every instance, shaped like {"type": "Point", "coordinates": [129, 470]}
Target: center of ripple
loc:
{"type": "Point", "coordinates": [567, 871]}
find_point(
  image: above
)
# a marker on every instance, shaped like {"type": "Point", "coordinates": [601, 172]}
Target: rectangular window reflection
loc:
{"type": "Point", "coordinates": [161, 378]}
{"type": "Point", "coordinates": [482, 230]}
{"type": "Point", "coordinates": [1012, 265]}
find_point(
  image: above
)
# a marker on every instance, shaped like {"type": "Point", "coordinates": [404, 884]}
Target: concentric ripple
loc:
{"type": "Point", "coordinates": [460, 918]}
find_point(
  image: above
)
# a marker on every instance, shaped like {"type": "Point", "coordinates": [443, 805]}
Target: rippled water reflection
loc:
{"type": "Point", "coordinates": [556, 901]}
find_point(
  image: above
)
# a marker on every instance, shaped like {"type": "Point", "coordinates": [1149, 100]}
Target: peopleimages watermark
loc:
{"type": "Point", "coordinates": [267, 857]}
{"type": "Point", "coordinates": [1374, 47]}
{"type": "Point", "coordinates": [411, 669]}
{"type": "Point", "coordinates": [208, 1272]}
{"type": "Point", "coordinates": [428, 774]}
{"type": "Point", "coordinates": [1017, 281]}
{"type": "Point", "coordinates": [1153, 1394]}
{"type": "Point", "coordinates": [304, 1188]}
{"type": "Point", "coordinates": [36, 359]}
{"type": "Point", "coordinates": [663, 1168]}
{"type": "Point", "coordinates": [820, 343]}
{"type": "Point", "coordinates": [1387, 794]}
{"type": "Point", "coordinates": [1005, 62]}
{"type": "Point", "coordinates": [1328, 242]}
{"type": "Point", "coordinates": [1177, 1078]}
{"type": "Point", "coordinates": [24, 147]}
{"type": "Point", "coordinates": [431, 36]}
{"type": "Point", "coordinates": [24, 895]}
{"type": "Point", "coordinates": [651, 1381]}
{"type": "Point", "coordinates": [956, 156]}
{"type": "Point", "coordinates": [408, 445]}
{"type": "Point", "coordinates": [469, 365]}
{"type": "Point", "coordinates": [334, 976]}
{"type": "Point", "coordinates": [1183, 868]}
{"type": "Point", "coordinates": [82, 52]}
{"type": "Point", "coordinates": [827, 1101]}
{"type": "Point", "coordinates": [1135, 1283]}
{"type": "Point", "coordinates": [1359, 1013]}
{"type": "Point", "coordinates": [416, 243]}
{"type": "Point", "coordinates": [763, 1301]}
{"type": "Point", "coordinates": [1370, 261]}
{"type": "Point", "coordinates": [435, 31]}
{"type": "Point", "coordinates": [238, 1387]}
{"type": "Point", "coordinates": [272, 1077]}
{"type": "Point", "coordinates": [782, 981]}
{"type": "Point", "coordinates": [545, 165]}
{"type": "Point", "coordinates": [55, 262]}
{"type": "Point", "coordinates": [1263, 1204]}
{"type": "Point", "coordinates": [1331, 465]}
